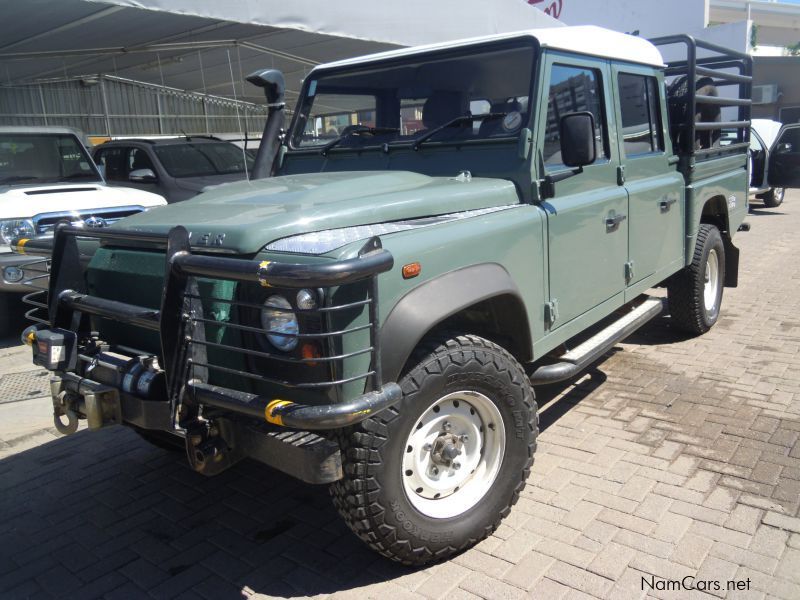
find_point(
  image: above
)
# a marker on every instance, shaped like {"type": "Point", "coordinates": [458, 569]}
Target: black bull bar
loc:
{"type": "Point", "coordinates": [68, 298]}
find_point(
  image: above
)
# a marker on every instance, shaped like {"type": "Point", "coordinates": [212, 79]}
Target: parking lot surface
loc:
{"type": "Point", "coordinates": [672, 462]}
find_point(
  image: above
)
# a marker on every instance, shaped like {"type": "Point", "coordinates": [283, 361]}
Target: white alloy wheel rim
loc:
{"type": "Point", "coordinates": [711, 286]}
{"type": "Point", "coordinates": [778, 194]}
{"type": "Point", "coordinates": [453, 454]}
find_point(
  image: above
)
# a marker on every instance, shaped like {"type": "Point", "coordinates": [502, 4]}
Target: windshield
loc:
{"type": "Point", "coordinates": [202, 159]}
{"type": "Point", "coordinates": [44, 158]}
{"type": "Point", "coordinates": [406, 99]}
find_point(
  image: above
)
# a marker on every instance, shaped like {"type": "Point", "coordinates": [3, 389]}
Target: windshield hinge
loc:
{"type": "Point", "coordinates": [621, 175]}
{"type": "Point", "coordinates": [551, 312]}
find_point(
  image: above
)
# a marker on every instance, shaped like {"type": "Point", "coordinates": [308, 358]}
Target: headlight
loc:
{"type": "Point", "coordinates": [15, 228]}
{"type": "Point", "coordinates": [277, 316]}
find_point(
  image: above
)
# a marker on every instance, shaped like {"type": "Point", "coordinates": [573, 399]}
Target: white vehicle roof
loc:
{"type": "Point", "coordinates": [584, 39]}
{"type": "Point", "coordinates": [39, 129]}
{"type": "Point", "coordinates": [45, 129]}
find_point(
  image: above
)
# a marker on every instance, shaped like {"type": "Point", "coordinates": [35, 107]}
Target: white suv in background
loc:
{"type": "Point", "coordinates": [47, 177]}
{"type": "Point", "coordinates": [772, 143]}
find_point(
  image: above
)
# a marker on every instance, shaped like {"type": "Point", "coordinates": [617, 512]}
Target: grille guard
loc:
{"type": "Point", "coordinates": [176, 319]}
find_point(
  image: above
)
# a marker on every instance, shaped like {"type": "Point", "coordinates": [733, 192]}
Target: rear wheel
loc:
{"type": "Point", "coordinates": [774, 197]}
{"type": "Point", "coordinates": [437, 473]}
{"type": "Point", "coordinates": [695, 293]}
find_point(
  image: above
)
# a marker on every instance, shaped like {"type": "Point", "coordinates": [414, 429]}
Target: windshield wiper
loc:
{"type": "Point", "coordinates": [452, 123]}
{"type": "Point", "coordinates": [356, 130]}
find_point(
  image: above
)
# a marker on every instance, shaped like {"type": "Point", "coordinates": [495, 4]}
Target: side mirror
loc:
{"type": "Point", "coordinates": [578, 147]}
{"type": "Point", "coordinates": [142, 176]}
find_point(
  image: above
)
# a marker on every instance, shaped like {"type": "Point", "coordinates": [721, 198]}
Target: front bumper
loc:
{"type": "Point", "coordinates": [108, 384]}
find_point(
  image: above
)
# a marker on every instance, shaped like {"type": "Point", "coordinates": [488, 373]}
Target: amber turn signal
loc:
{"type": "Point", "coordinates": [411, 270]}
{"type": "Point", "coordinates": [310, 351]}
{"type": "Point", "coordinates": [29, 335]}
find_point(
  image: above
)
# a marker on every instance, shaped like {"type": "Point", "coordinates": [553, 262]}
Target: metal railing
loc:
{"type": "Point", "coordinates": [718, 66]}
{"type": "Point", "coordinates": [181, 320]}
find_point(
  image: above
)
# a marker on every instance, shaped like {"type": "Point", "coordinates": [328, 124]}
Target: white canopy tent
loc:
{"type": "Point", "coordinates": [209, 46]}
{"type": "Point", "coordinates": [406, 23]}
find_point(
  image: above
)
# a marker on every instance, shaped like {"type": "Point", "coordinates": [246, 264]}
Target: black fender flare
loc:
{"type": "Point", "coordinates": [429, 304]}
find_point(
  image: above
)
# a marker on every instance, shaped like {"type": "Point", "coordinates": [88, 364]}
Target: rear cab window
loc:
{"type": "Point", "coordinates": [642, 129]}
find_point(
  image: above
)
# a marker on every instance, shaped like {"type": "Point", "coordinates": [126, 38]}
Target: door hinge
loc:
{"type": "Point", "coordinates": [628, 271]}
{"type": "Point", "coordinates": [551, 312]}
{"type": "Point", "coordinates": [621, 175]}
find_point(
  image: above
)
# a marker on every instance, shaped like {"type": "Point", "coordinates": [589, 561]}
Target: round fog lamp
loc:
{"type": "Point", "coordinates": [306, 300]}
{"type": "Point", "coordinates": [13, 274]}
{"type": "Point", "coordinates": [277, 318]}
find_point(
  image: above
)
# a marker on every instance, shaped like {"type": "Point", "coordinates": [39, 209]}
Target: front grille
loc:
{"type": "Point", "coordinates": [207, 328]}
{"type": "Point", "coordinates": [45, 224]}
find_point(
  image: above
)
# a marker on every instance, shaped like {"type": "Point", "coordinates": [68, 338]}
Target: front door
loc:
{"type": "Point", "coordinates": [784, 160]}
{"type": "Point", "coordinates": [587, 216]}
{"type": "Point", "coordinates": [655, 188]}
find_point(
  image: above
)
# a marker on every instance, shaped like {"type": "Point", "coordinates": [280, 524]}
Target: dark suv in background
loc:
{"type": "Point", "coordinates": [176, 168]}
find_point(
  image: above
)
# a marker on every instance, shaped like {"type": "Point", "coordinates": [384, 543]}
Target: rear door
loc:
{"type": "Point", "coordinates": [655, 188]}
{"type": "Point", "coordinates": [587, 217]}
{"type": "Point", "coordinates": [784, 160]}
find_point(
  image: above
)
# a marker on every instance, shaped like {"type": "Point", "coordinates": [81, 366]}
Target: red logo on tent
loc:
{"type": "Point", "coordinates": [553, 7]}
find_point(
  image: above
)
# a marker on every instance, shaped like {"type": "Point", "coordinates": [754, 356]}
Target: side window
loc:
{"type": "Point", "coordinates": [574, 89]}
{"type": "Point", "coordinates": [641, 118]}
{"type": "Point", "coordinates": [138, 159]}
{"type": "Point", "coordinates": [755, 143]}
{"type": "Point", "coordinates": [112, 160]}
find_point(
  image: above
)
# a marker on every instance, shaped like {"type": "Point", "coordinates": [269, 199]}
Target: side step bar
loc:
{"type": "Point", "coordinates": [576, 360]}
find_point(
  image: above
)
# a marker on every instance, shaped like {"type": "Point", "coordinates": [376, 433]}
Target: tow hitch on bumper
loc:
{"type": "Point", "coordinates": [108, 385]}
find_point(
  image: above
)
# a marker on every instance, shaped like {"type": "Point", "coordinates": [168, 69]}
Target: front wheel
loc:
{"type": "Point", "coordinates": [695, 293]}
{"type": "Point", "coordinates": [774, 197]}
{"type": "Point", "coordinates": [437, 473]}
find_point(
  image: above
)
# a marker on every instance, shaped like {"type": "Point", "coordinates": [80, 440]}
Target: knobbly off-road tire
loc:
{"type": "Point", "coordinates": [773, 198]}
{"type": "Point", "coordinates": [373, 496]}
{"type": "Point", "coordinates": [690, 305]}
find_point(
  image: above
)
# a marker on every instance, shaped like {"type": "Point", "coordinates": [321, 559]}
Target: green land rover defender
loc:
{"type": "Point", "coordinates": [423, 246]}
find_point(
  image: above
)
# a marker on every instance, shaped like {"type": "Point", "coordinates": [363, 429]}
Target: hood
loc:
{"type": "Point", "coordinates": [32, 200]}
{"type": "Point", "coordinates": [198, 184]}
{"type": "Point", "coordinates": [252, 214]}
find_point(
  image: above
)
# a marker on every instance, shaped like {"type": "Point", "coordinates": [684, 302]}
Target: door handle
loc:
{"type": "Point", "coordinates": [665, 205]}
{"type": "Point", "coordinates": [612, 223]}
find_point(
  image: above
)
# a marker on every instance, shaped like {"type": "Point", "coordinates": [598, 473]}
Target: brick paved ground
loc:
{"type": "Point", "coordinates": [673, 457]}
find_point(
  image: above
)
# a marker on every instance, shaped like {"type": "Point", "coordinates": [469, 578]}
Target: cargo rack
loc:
{"type": "Point", "coordinates": [718, 66]}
